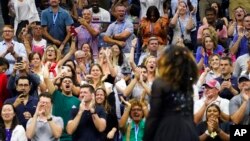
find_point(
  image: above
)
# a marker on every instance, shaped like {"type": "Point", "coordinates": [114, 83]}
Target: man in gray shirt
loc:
{"type": "Point", "coordinates": [239, 106]}
{"type": "Point", "coordinates": [44, 126]}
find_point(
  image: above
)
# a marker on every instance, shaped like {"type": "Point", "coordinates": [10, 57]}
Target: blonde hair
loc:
{"type": "Point", "coordinates": [57, 51]}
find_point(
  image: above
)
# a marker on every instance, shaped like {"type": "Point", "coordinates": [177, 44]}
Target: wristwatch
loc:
{"type": "Point", "coordinates": [49, 119]}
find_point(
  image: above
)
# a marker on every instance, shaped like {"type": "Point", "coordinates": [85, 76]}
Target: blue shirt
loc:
{"type": "Point", "coordinates": [18, 48]}
{"type": "Point", "coordinates": [56, 22]}
{"type": "Point", "coordinates": [20, 109]}
{"type": "Point", "coordinates": [117, 28]}
{"type": "Point", "coordinates": [242, 49]}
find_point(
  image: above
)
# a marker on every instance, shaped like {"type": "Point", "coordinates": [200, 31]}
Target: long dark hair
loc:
{"type": "Point", "coordinates": [14, 123]}
{"type": "Point", "coordinates": [105, 103]}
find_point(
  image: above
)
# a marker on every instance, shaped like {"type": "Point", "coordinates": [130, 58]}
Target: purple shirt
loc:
{"type": "Point", "coordinates": [219, 50]}
{"type": "Point", "coordinates": [84, 36]}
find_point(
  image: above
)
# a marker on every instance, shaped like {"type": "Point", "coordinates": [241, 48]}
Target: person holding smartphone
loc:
{"type": "Point", "coordinates": [24, 104]}
{"type": "Point", "coordinates": [11, 49]}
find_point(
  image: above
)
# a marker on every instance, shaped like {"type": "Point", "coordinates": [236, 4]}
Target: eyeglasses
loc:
{"type": "Point", "coordinates": [50, 50]}
{"type": "Point", "coordinates": [8, 31]}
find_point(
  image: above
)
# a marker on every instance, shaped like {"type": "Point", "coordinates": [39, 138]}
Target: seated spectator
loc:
{"type": "Point", "coordinates": [24, 103]}
{"type": "Point", "coordinates": [10, 128]}
{"type": "Point", "coordinates": [43, 126]}
{"type": "Point", "coordinates": [11, 49]}
{"type": "Point", "coordinates": [213, 129]}
{"type": "Point", "coordinates": [87, 32]}
{"type": "Point", "coordinates": [153, 25]}
{"type": "Point", "coordinates": [240, 41]}
{"type": "Point", "coordinates": [209, 47]}
{"type": "Point", "coordinates": [89, 120]}
{"type": "Point", "coordinates": [211, 95]}
{"type": "Point", "coordinates": [239, 106]}
{"type": "Point", "coordinates": [137, 112]}
{"type": "Point", "coordinates": [4, 93]}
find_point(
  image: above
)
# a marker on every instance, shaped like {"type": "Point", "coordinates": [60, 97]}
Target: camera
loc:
{"type": "Point", "coordinates": [125, 70]}
{"type": "Point", "coordinates": [219, 24]}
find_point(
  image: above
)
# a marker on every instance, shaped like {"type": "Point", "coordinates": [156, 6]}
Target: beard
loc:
{"type": "Point", "coordinates": [95, 9]}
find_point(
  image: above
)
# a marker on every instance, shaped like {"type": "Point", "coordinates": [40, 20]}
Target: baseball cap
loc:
{"type": "Point", "coordinates": [243, 78]}
{"type": "Point", "coordinates": [212, 84]}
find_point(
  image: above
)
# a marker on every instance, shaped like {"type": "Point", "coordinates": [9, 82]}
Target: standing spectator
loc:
{"type": "Point", "coordinates": [87, 122]}
{"type": "Point", "coordinates": [4, 93]}
{"type": "Point", "coordinates": [183, 24]}
{"type": "Point", "coordinates": [25, 13]}
{"type": "Point", "coordinates": [43, 126]}
{"type": "Point", "coordinates": [211, 95]}
{"type": "Point", "coordinates": [10, 49]}
{"type": "Point", "coordinates": [21, 69]}
{"type": "Point", "coordinates": [211, 22]}
{"type": "Point", "coordinates": [133, 129]}
{"type": "Point", "coordinates": [121, 31]}
{"type": "Point", "coordinates": [35, 43]}
{"type": "Point", "coordinates": [242, 64]}
{"type": "Point", "coordinates": [239, 105]}
{"type": "Point", "coordinates": [228, 82]}
{"type": "Point", "coordinates": [145, 4]}
{"type": "Point", "coordinates": [171, 105]}
{"type": "Point", "coordinates": [237, 23]}
{"type": "Point", "coordinates": [87, 32]}
{"type": "Point", "coordinates": [63, 98]}
{"type": "Point", "coordinates": [102, 99]}
{"type": "Point", "coordinates": [240, 41]}
{"type": "Point", "coordinates": [153, 25]}
{"type": "Point", "coordinates": [213, 128]}
{"type": "Point", "coordinates": [209, 47]}
{"type": "Point", "coordinates": [233, 4]}
{"type": "Point", "coordinates": [10, 130]}
{"type": "Point", "coordinates": [5, 12]}
{"type": "Point", "coordinates": [100, 14]}
{"type": "Point", "coordinates": [56, 23]}
{"type": "Point", "coordinates": [24, 104]}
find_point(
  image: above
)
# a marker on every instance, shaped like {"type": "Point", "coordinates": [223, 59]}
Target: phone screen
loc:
{"type": "Point", "coordinates": [19, 59]}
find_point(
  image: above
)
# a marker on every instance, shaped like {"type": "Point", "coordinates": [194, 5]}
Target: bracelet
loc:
{"type": "Point", "coordinates": [207, 133]}
{"type": "Point", "coordinates": [218, 131]}
{"type": "Point", "coordinates": [49, 119]}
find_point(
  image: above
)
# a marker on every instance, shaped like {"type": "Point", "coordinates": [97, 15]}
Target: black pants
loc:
{"type": "Point", "coordinates": [5, 12]}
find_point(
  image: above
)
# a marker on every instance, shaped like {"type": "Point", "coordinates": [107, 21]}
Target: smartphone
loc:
{"type": "Point", "coordinates": [73, 31]}
{"type": "Point", "coordinates": [19, 59]}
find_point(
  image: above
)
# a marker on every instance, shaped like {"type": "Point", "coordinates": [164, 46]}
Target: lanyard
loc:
{"type": "Point", "coordinates": [55, 17]}
{"type": "Point", "coordinates": [136, 132]}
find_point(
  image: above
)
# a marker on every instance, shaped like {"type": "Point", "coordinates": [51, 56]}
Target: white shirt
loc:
{"type": "Point", "coordinates": [102, 16]}
{"type": "Point", "coordinates": [221, 102]}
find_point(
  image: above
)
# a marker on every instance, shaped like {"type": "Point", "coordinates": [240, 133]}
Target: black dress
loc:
{"type": "Point", "coordinates": [171, 115]}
